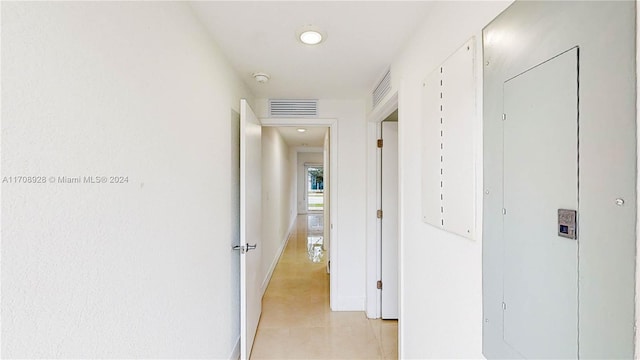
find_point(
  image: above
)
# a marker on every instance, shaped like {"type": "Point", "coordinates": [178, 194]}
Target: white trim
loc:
{"type": "Point", "coordinates": [373, 268]}
{"type": "Point", "coordinates": [348, 303]}
{"type": "Point", "coordinates": [332, 124]}
{"type": "Point", "coordinates": [384, 109]}
{"type": "Point", "coordinates": [637, 298]}
{"type": "Point", "coordinates": [283, 245]}
{"type": "Point", "coordinates": [401, 344]}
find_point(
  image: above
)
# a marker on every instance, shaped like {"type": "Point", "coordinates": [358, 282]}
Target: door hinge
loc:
{"type": "Point", "coordinates": [379, 285]}
{"type": "Point", "coordinates": [379, 214]}
{"type": "Point", "coordinates": [504, 117]}
{"type": "Point", "coordinates": [379, 143]}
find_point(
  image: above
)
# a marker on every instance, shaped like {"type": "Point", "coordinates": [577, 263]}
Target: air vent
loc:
{"type": "Point", "coordinates": [293, 108]}
{"type": "Point", "coordinates": [382, 89]}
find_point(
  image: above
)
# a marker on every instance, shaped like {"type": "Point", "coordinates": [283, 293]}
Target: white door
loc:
{"type": "Point", "coordinates": [389, 223]}
{"type": "Point", "coordinates": [250, 226]}
{"type": "Point", "coordinates": [540, 177]}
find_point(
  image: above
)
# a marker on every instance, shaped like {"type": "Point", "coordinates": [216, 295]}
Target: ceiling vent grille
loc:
{"type": "Point", "coordinates": [382, 89]}
{"type": "Point", "coordinates": [293, 108]}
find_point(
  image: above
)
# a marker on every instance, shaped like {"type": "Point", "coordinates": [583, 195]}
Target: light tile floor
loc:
{"type": "Point", "coordinates": [296, 321]}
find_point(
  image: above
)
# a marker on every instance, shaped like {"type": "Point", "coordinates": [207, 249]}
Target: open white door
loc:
{"type": "Point", "coordinates": [250, 226]}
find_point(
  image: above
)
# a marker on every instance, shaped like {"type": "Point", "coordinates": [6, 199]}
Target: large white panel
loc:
{"type": "Point", "coordinates": [431, 178]}
{"type": "Point", "coordinates": [541, 157]}
{"type": "Point", "coordinates": [448, 168]}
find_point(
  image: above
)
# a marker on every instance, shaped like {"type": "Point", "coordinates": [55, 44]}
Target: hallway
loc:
{"type": "Point", "coordinates": [296, 321]}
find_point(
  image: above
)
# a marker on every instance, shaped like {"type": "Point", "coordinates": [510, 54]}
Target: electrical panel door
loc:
{"type": "Point", "coordinates": [540, 125]}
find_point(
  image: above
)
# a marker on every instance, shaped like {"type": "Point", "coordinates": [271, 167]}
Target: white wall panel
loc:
{"type": "Point", "coordinates": [448, 167]}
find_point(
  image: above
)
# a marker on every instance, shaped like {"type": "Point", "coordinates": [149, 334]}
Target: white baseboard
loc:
{"type": "Point", "coordinates": [235, 353]}
{"type": "Point", "coordinates": [349, 303]}
{"type": "Point", "coordinates": [276, 258]}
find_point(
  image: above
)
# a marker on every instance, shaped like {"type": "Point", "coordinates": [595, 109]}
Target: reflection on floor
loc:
{"type": "Point", "coordinates": [296, 322]}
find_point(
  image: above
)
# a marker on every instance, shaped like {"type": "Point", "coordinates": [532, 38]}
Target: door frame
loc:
{"type": "Point", "coordinates": [332, 124]}
{"type": "Point", "coordinates": [374, 188]}
{"type": "Point", "coordinates": [250, 228]}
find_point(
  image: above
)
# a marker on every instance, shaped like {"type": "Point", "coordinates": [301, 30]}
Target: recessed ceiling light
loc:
{"type": "Point", "coordinates": [311, 37]}
{"type": "Point", "coordinates": [301, 130]}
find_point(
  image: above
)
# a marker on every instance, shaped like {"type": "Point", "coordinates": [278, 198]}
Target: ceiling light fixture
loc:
{"type": "Point", "coordinates": [301, 130]}
{"type": "Point", "coordinates": [311, 35]}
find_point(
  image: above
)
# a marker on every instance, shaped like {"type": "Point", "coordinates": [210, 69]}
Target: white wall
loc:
{"type": "Point", "coordinates": [137, 270]}
{"type": "Point", "coordinates": [441, 273]}
{"type": "Point", "coordinates": [278, 191]}
{"type": "Point", "coordinates": [310, 158]}
{"type": "Point", "coordinates": [349, 243]}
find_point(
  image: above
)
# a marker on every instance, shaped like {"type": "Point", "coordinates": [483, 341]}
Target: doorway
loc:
{"type": "Point", "coordinates": [388, 110]}
{"type": "Point", "coordinates": [314, 187]}
{"type": "Point", "coordinates": [388, 216]}
{"type": "Point", "coordinates": [323, 185]}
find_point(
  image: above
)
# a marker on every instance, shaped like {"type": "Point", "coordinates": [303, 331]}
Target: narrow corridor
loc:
{"type": "Point", "coordinates": [297, 322]}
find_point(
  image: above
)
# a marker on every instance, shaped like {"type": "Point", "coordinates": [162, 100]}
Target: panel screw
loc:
{"type": "Point", "coordinates": [486, 192]}
{"type": "Point", "coordinates": [619, 202]}
{"type": "Point", "coordinates": [487, 63]}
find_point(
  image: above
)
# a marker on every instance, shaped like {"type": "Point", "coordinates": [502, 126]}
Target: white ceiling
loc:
{"type": "Point", "coordinates": [313, 137]}
{"type": "Point", "coordinates": [363, 37]}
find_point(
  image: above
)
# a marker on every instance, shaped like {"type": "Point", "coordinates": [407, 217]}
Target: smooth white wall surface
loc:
{"type": "Point", "coordinates": [349, 243]}
{"type": "Point", "coordinates": [440, 273]}
{"type": "Point", "coordinates": [309, 158]}
{"type": "Point", "coordinates": [137, 270]}
{"type": "Point", "coordinates": [278, 188]}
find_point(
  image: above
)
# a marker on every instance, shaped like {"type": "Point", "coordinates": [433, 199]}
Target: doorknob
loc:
{"type": "Point", "coordinates": [244, 248]}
